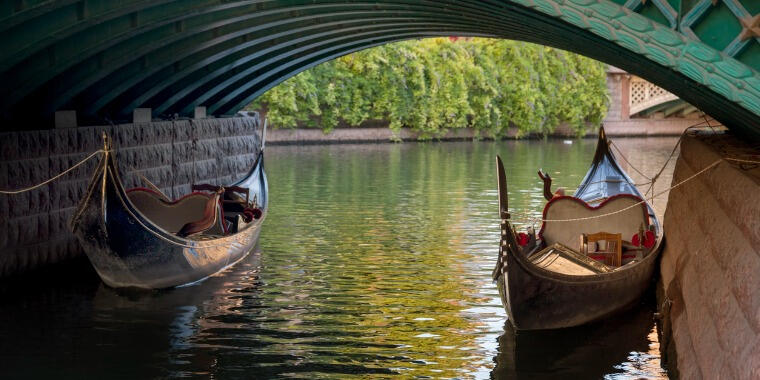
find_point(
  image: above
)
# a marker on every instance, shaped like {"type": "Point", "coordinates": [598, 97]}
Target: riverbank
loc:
{"type": "Point", "coordinates": [627, 128]}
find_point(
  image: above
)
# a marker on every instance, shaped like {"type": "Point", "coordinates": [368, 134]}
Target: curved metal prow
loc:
{"type": "Point", "coordinates": [508, 242]}
{"type": "Point", "coordinates": [503, 195]}
{"type": "Point", "coordinates": [602, 146]}
{"type": "Point", "coordinates": [547, 184]}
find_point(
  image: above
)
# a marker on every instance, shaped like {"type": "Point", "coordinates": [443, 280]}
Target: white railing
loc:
{"type": "Point", "coordinates": [645, 95]}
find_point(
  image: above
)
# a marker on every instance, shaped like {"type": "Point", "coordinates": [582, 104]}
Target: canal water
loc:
{"type": "Point", "coordinates": [375, 262]}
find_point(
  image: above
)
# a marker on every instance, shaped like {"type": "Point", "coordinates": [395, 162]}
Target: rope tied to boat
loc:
{"type": "Point", "coordinates": [63, 173]}
{"type": "Point", "coordinates": [653, 180]}
{"type": "Point", "coordinates": [654, 195]}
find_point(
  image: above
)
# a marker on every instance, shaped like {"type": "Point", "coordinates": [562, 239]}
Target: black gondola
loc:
{"type": "Point", "coordinates": [139, 238]}
{"type": "Point", "coordinates": [555, 279]}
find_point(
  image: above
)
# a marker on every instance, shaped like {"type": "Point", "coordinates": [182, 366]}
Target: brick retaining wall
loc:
{"type": "Point", "coordinates": [711, 264]}
{"type": "Point", "coordinates": [34, 228]}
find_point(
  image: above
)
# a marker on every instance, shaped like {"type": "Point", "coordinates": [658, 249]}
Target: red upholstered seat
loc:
{"type": "Point", "coordinates": [172, 216]}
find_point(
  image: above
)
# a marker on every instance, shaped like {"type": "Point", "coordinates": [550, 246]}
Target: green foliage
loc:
{"type": "Point", "coordinates": [435, 84]}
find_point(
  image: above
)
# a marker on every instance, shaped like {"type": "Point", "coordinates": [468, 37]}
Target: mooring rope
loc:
{"type": "Point", "coordinates": [695, 175]}
{"type": "Point", "coordinates": [653, 180]}
{"type": "Point", "coordinates": [628, 162]}
{"type": "Point", "coordinates": [80, 163]}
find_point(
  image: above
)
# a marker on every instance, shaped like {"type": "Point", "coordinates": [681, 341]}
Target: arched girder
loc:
{"type": "Point", "coordinates": [206, 58]}
{"type": "Point", "coordinates": [558, 35]}
{"type": "Point", "coordinates": [281, 78]}
{"type": "Point", "coordinates": [112, 42]}
{"type": "Point", "coordinates": [335, 47]}
{"type": "Point", "coordinates": [157, 51]}
{"type": "Point", "coordinates": [276, 77]}
{"type": "Point", "coordinates": [207, 86]}
{"type": "Point", "coordinates": [225, 75]}
{"type": "Point", "coordinates": [239, 92]}
{"type": "Point", "coordinates": [430, 9]}
{"type": "Point", "coordinates": [216, 64]}
{"type": "Point", "coordinates": [119, 57]}
{"type": "Point", "coordinates": [125, 65]}
{"type": "Point", "coordinates": [149, 90]}
{"type": "Point", "coordinates": [252, 72]}
{"type": "Point", "coordinates": [244, 91]}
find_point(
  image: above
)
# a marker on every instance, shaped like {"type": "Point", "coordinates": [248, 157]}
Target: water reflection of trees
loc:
{"type": "Point", "coordinates": [388, 261]}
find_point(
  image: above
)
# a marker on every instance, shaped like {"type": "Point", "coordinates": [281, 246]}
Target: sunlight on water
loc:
{"type": "Point", "coordinates": [375, 261]}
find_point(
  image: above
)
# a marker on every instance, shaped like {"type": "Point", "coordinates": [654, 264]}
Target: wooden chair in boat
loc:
{"type": "Point", "coordinates": [611, 254]}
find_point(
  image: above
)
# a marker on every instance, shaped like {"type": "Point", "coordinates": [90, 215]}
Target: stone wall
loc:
{"type": "Point", "coordinates": [34, 226]}
{"type": "Point", "coordinates": [631, 127]}
{"type": "Point", "coordinates": [710, 284]}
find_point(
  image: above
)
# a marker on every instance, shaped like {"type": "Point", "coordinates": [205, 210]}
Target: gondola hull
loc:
{"type": "Point", "coordinates": [538, 299]}
{"type": "Point", "coordinates": [128, 250]}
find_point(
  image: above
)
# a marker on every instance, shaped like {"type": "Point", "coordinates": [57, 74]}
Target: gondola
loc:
{"type": "Point", "coordinates": [594, 256]}
{"type": "Point", "coordinates": [140, 238]}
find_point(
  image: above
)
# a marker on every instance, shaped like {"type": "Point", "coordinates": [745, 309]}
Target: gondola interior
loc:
{"type": "Point", "coordinates": [140, 238]}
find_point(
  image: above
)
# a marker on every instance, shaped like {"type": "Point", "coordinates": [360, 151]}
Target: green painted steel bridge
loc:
{"type": "Point", "coordinates": [105, 58]}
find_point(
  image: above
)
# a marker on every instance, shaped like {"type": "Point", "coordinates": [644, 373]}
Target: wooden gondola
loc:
{"type": "Point", "coordinates": [561, 277]}
{"type": "Point", "coordinates": [140, 238]}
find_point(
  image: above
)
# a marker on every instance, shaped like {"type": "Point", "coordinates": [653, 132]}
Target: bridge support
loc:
{"type": "Point", "coordinates": [710, 268]}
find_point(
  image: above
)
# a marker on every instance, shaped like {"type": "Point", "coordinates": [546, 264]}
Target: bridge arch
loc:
{"type": "Point", "coordinates": [105, 58]}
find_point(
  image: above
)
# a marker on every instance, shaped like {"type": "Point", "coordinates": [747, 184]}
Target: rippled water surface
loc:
{"type": "Point", "coordinates": [375, 262]}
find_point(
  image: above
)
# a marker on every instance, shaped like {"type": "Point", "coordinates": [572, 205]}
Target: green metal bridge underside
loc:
{"type": "Point", "coordinates": [104, 58]}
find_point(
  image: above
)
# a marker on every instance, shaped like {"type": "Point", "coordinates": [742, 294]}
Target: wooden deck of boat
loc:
{"type": "Point", "coordinates": [561, 259]}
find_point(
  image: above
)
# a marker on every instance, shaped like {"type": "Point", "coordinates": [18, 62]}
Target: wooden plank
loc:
{"type": "Point", "coordinates": [561, 259]}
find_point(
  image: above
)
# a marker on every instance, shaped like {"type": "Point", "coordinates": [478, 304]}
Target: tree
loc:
{"type": "Point", "coordinates": [435, 84]}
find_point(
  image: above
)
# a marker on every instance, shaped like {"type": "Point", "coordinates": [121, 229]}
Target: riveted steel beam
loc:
{"type": "Point", "coordinates": [235, 85]}
{"type": "Point", "coordinates": [145, 91]}
{"type": "Point", "coordinates": [63, 21]}
{"type": "Point", "coordinates": [91, 50]}
{"type": "Point", "coordinates": [133, 56]}
{"type": "Point", "coordinates": [215, 60]}
{"type": "Point", "coordinates": [104, 58]}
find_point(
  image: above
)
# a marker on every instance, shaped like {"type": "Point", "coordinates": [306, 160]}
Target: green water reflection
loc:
{"type": "Point", "coordinates": [374, 262]}
{"type": "Point", "coordinates": [393, 246]}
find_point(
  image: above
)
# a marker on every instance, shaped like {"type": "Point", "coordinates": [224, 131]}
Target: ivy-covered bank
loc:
{"type": "Point", "coordinates": [434, 84]}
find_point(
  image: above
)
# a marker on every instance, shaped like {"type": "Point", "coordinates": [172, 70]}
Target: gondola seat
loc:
{"type": "Point", "coordinates": [574, 213]}
{"type": "Point", "coordinates": [173, 216]}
